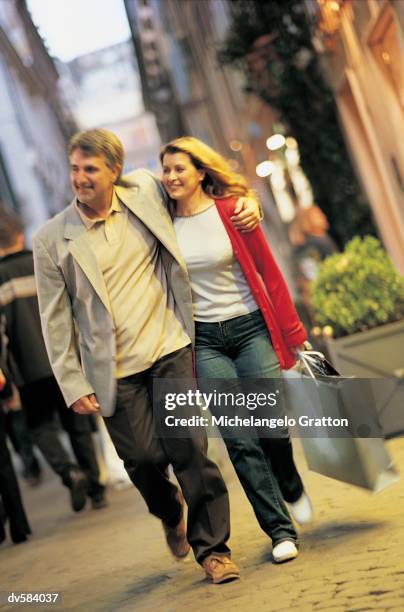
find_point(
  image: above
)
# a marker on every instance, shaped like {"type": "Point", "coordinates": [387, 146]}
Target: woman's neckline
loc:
{"type": "Point", "coordinates": [200, 212]}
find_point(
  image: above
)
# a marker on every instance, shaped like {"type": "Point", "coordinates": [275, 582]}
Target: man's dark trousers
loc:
{"type": "Point", "coordinates": [147, 457]}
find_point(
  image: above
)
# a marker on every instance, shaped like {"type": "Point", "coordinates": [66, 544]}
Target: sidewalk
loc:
{"type": "Point", "coordinates": [351, 558]}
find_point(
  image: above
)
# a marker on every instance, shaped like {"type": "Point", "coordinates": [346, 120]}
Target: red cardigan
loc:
{"type": "Point", "coordinates": [267, 285]}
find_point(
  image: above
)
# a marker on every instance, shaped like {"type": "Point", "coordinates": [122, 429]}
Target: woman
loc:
{"type": "Point", "coordinates": [242, 329]}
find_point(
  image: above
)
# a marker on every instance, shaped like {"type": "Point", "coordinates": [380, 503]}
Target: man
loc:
{"type": "Point", "coordinates": [39, 392]}
{"type": "Point", "coordinates": [109, 264]}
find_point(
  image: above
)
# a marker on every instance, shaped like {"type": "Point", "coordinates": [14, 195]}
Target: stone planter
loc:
{"type": "Point", "coordinates": [376, 354]}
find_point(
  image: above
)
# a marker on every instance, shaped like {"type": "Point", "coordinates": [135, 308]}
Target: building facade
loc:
{"type": "Point", "coordinates": [360, 43]}
{"type": "Point", "coordinates": [103, 90]}
{"type": "Point", "coordinates": [159, 97]}
{"type": "Point", "coordinates": [176, 42]}
{"type": "Point", "coordinates": [34, 122]}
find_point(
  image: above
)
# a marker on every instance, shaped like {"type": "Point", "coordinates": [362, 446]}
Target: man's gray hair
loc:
{"type": "Point", "coordinates": [99, 142]}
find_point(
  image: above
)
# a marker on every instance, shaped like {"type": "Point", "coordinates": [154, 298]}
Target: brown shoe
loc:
{"type": "Point", "coordinates": [176, 537]}
{"type": "Point", "coordinates": [220, 569]}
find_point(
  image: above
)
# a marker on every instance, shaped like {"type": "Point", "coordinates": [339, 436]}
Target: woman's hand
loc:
{"type": "Point", "coordinates": [247, 214]}
{"type": "Point", "coordinates": [306, 346]}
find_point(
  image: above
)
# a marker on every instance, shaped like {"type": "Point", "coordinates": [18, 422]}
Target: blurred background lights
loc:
{"type": "Point", "coordinates": [291, 143]}
{"type": "Point", "coordinates": [234, 165]}
{"type": "Point", "coordinates": [278, 181]}
{"type": "Point", "coordinates": [265, 168]}
{"type": "Point", "coordinates": [275, 142]}
{"type": "Point", "coordinates": [292, 157]}
{"type": "Point", "coordinates": [235, 145]}
{"type": "Point", "coordinates": [286, 207]}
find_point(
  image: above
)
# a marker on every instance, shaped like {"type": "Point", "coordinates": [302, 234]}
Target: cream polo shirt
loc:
{"type": "Point", "coordinates": [147, 322]}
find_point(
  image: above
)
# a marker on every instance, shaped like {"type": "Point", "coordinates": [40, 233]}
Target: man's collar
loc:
{"type": "Point", "coordinates": [89, 223]}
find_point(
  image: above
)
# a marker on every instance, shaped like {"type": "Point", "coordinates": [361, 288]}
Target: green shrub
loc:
{"type": "Point", "coordinates": [358, 289]}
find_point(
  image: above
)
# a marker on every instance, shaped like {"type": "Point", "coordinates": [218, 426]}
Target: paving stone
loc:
{"type": "Point", "coordinates": [115, 559]}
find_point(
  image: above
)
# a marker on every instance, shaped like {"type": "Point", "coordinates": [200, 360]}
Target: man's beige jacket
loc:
{"type": "Point", "coordinates": [72, 292]}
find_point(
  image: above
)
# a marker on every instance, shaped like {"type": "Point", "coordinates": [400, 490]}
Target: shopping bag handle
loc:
{"type": "Point", "coordinates": [314, 362]}
{"type": "Point", "coordinates": [306, 356]}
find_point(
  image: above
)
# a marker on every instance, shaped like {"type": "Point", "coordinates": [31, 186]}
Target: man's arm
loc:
{"type": "Point", "coordinates": [58, 327]}
{"type": "Point", "coordinates": [247, 213]}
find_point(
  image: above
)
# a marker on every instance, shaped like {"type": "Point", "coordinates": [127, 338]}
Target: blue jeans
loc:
{"type": "Point", "coordinates": [241, 348]}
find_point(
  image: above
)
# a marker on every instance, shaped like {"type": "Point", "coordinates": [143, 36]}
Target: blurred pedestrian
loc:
{"type": "Point", "coordinates": [109, 264]}
{"type": "Point", "coordinates": [246, 324]}
{"type": "Point", "coordinates": [312, 244]}
{"type": "Point", "coordinates": [308, 234]}
{"type": "Point", "coordinates": [21, 439]}
{"type": "Point", "coordinates": [10, 496]}
{"type": "Point", "coordinates": [38, 389]}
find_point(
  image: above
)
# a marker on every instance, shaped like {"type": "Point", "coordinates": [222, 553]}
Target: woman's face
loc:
{"type": "Point", "coordinates": [181, 179]}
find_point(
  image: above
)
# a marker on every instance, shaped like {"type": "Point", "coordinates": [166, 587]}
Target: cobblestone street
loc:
{"type": "Point", "coordinates": [351, 558]}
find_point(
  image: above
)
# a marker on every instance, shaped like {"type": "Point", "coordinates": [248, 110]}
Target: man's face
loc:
{"type": "Point", "coordinates": [91, 179]}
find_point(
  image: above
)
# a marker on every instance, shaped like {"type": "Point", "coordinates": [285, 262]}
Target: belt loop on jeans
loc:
{"type": "Point", "coordinates": [222, 329]}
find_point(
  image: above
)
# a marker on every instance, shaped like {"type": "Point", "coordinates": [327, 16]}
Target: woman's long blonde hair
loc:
{"type": "Point", "coordinates": [220, 180]}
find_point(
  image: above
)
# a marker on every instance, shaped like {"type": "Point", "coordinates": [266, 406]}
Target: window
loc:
{"type": "Point", "coordinates": [385, 45]}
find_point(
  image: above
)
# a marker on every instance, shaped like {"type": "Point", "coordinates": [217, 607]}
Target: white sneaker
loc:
{"type": "Point", "coordinates": [284, 551]}
{"type": "Point", "coordinates": [302, 510]}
